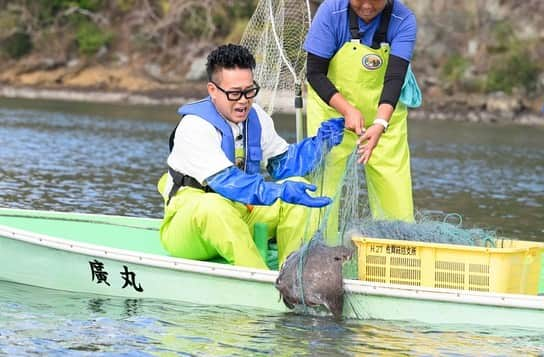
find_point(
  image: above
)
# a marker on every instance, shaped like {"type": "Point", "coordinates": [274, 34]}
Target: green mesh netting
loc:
{"type": "Point", "coordinates": [355, 219]}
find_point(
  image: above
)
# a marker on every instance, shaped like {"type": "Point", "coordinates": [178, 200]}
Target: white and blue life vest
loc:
{"type": "Point", "coordinates": [206, 110]}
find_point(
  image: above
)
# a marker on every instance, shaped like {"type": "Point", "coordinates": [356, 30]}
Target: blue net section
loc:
{"type": "Point", "coordinates": [424, 229]}
{"type": "Point", "coordinates": [355, 218]}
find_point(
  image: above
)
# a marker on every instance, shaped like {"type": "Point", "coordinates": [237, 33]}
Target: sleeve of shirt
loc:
{"type": "Point", "coordinates": [404, 41]}
{"type": "Point", "coordinates": [321, 37]}
{"type": "Point", "coordinates": [316, 72]}
{"type": "Point", "coordinates": [197, 149]}
{"type": "Point", "coordinates": [271, 143]}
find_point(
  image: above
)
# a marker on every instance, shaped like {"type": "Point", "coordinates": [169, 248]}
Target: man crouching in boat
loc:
{"type": "Point", "coordinates": [213, 191]}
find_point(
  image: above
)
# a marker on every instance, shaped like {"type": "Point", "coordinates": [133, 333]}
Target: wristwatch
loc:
{"type": "Point", "coordinates": [381, 122]}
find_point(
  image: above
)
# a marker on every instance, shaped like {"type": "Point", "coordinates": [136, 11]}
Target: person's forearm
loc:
{"type": "Point", "coordinates": [341, 105]}
{"type": "Point", "coordinates": [385, 111]}
{"type": "Point", "coordinates": [353, 117]}
{"type": "Point", "coordinates": [338, 102]}
{"type": "Point", "coordinates": [383, 116]}
{"type": "Point", "coordinates": [316, 72]}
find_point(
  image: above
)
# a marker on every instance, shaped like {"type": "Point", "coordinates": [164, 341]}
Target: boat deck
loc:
{"type": "Point", "coordinates": [136, 234]}
{"type": "Point", "coordinates": [121, 232]}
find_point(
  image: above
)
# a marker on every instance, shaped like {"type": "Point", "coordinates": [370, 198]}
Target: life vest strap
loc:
{"type": "Point", "coordinates": [181, 180]}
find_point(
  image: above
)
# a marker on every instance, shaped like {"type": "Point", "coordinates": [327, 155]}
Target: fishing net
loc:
{"type": "Point", "coordinates": [426, 229]}
{"type": "Point", "coordinates": [275, 35]}
{"type": "Point", "coordinates": [436, 227]}
{"type": "Point", "coordinates": [355, 219]}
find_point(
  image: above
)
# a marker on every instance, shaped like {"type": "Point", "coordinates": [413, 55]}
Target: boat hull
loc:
{"type": "Point", "coordinates": [80, 266]}
{"type": "Point", "coordinates": [71, 266]}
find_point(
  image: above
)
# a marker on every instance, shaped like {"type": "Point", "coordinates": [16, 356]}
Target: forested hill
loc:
{"type": "Point", "coordinates": [466, 49]}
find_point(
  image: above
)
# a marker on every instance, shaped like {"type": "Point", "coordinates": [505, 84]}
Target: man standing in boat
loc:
{"type": "Point", "coordinates": [214, 192]}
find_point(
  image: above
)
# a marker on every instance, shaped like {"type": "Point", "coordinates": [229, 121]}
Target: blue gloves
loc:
{"type": "Point", "coordinates": [236, 185]}
{"type": "Point", "coordinates": [295, 192]}
{"type": "Point", "coordinates": [298, 160]}
{"type": "Point", "coordinates": [301, 158]}
{"type": "Point", "coordinates": [331, 132]}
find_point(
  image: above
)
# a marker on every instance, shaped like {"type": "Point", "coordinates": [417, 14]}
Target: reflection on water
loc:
{"type": "Point", "coordinates": [107, 159]}
{"type": "Point", "coordinates": [40, 321]}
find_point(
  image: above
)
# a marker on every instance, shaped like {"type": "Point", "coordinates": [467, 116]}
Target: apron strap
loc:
{"type": "Point", "coordinates": [353, 24]}
{"type": "Point", "coordinates": [380, 35]}
{"type": "Point", "coordinates": [171, 139]}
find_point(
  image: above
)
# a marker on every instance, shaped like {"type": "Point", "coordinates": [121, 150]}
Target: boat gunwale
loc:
{"type": "Point", "coordinates": [34, 213]}
{"type": "Point", "coordinates": [195, 266]}
{"type": "Point", "coordinates": [242, 273]}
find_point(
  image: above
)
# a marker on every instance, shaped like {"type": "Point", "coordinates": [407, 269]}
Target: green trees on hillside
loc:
{"type": "Point", "coordinates": [485, 52]}
{"type": "Point", "coordinates": [82, 27]}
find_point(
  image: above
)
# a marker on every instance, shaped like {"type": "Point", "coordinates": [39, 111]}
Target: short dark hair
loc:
{"type": "Point", "coordinates": [229, 56]}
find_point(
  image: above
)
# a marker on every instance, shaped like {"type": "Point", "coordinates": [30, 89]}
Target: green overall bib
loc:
{"type": "Point", "coordinates": [202, 225]}
{"type": "Point", "coordinates": [358, 71]}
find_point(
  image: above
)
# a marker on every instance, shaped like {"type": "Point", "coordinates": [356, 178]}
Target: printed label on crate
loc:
{"type": "Point", "coordinates": [393, 249]}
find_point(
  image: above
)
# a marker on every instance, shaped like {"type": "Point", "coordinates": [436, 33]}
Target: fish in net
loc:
{"type": "Point", "coordinates": [301, 278]}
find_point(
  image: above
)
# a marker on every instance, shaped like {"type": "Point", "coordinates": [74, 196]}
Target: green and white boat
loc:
{"type": "Point", "coordinates": [122, 256]}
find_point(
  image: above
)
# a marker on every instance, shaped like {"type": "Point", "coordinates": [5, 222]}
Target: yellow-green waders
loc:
{"type": "Point", "coordinates": [358, 71]}
{"type": "Point", "coordinates": [202, 225]}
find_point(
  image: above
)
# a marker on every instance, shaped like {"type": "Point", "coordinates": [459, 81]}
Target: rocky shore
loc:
{"type": "Point", "coordinates": [496, 108]}
{"type": "Point", "coordinates": [468, 54]}
{"type": "Point", "coordinates": [104, 85]}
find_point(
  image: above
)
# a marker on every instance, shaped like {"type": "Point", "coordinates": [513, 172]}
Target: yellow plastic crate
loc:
{"type": "Point", "coordinates": [510, 267]}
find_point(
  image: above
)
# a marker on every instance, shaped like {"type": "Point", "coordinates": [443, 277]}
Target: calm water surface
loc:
{"type": "Point", "coordinates": [41, 321]}
{"type": "Point", "coordinates": [107, 159]}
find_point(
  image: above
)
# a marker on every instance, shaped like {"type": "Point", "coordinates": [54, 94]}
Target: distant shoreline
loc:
{"type": "Point", "coordinates": [89, 95]}
{"type": "Point", "coordinates": [454, 110]}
